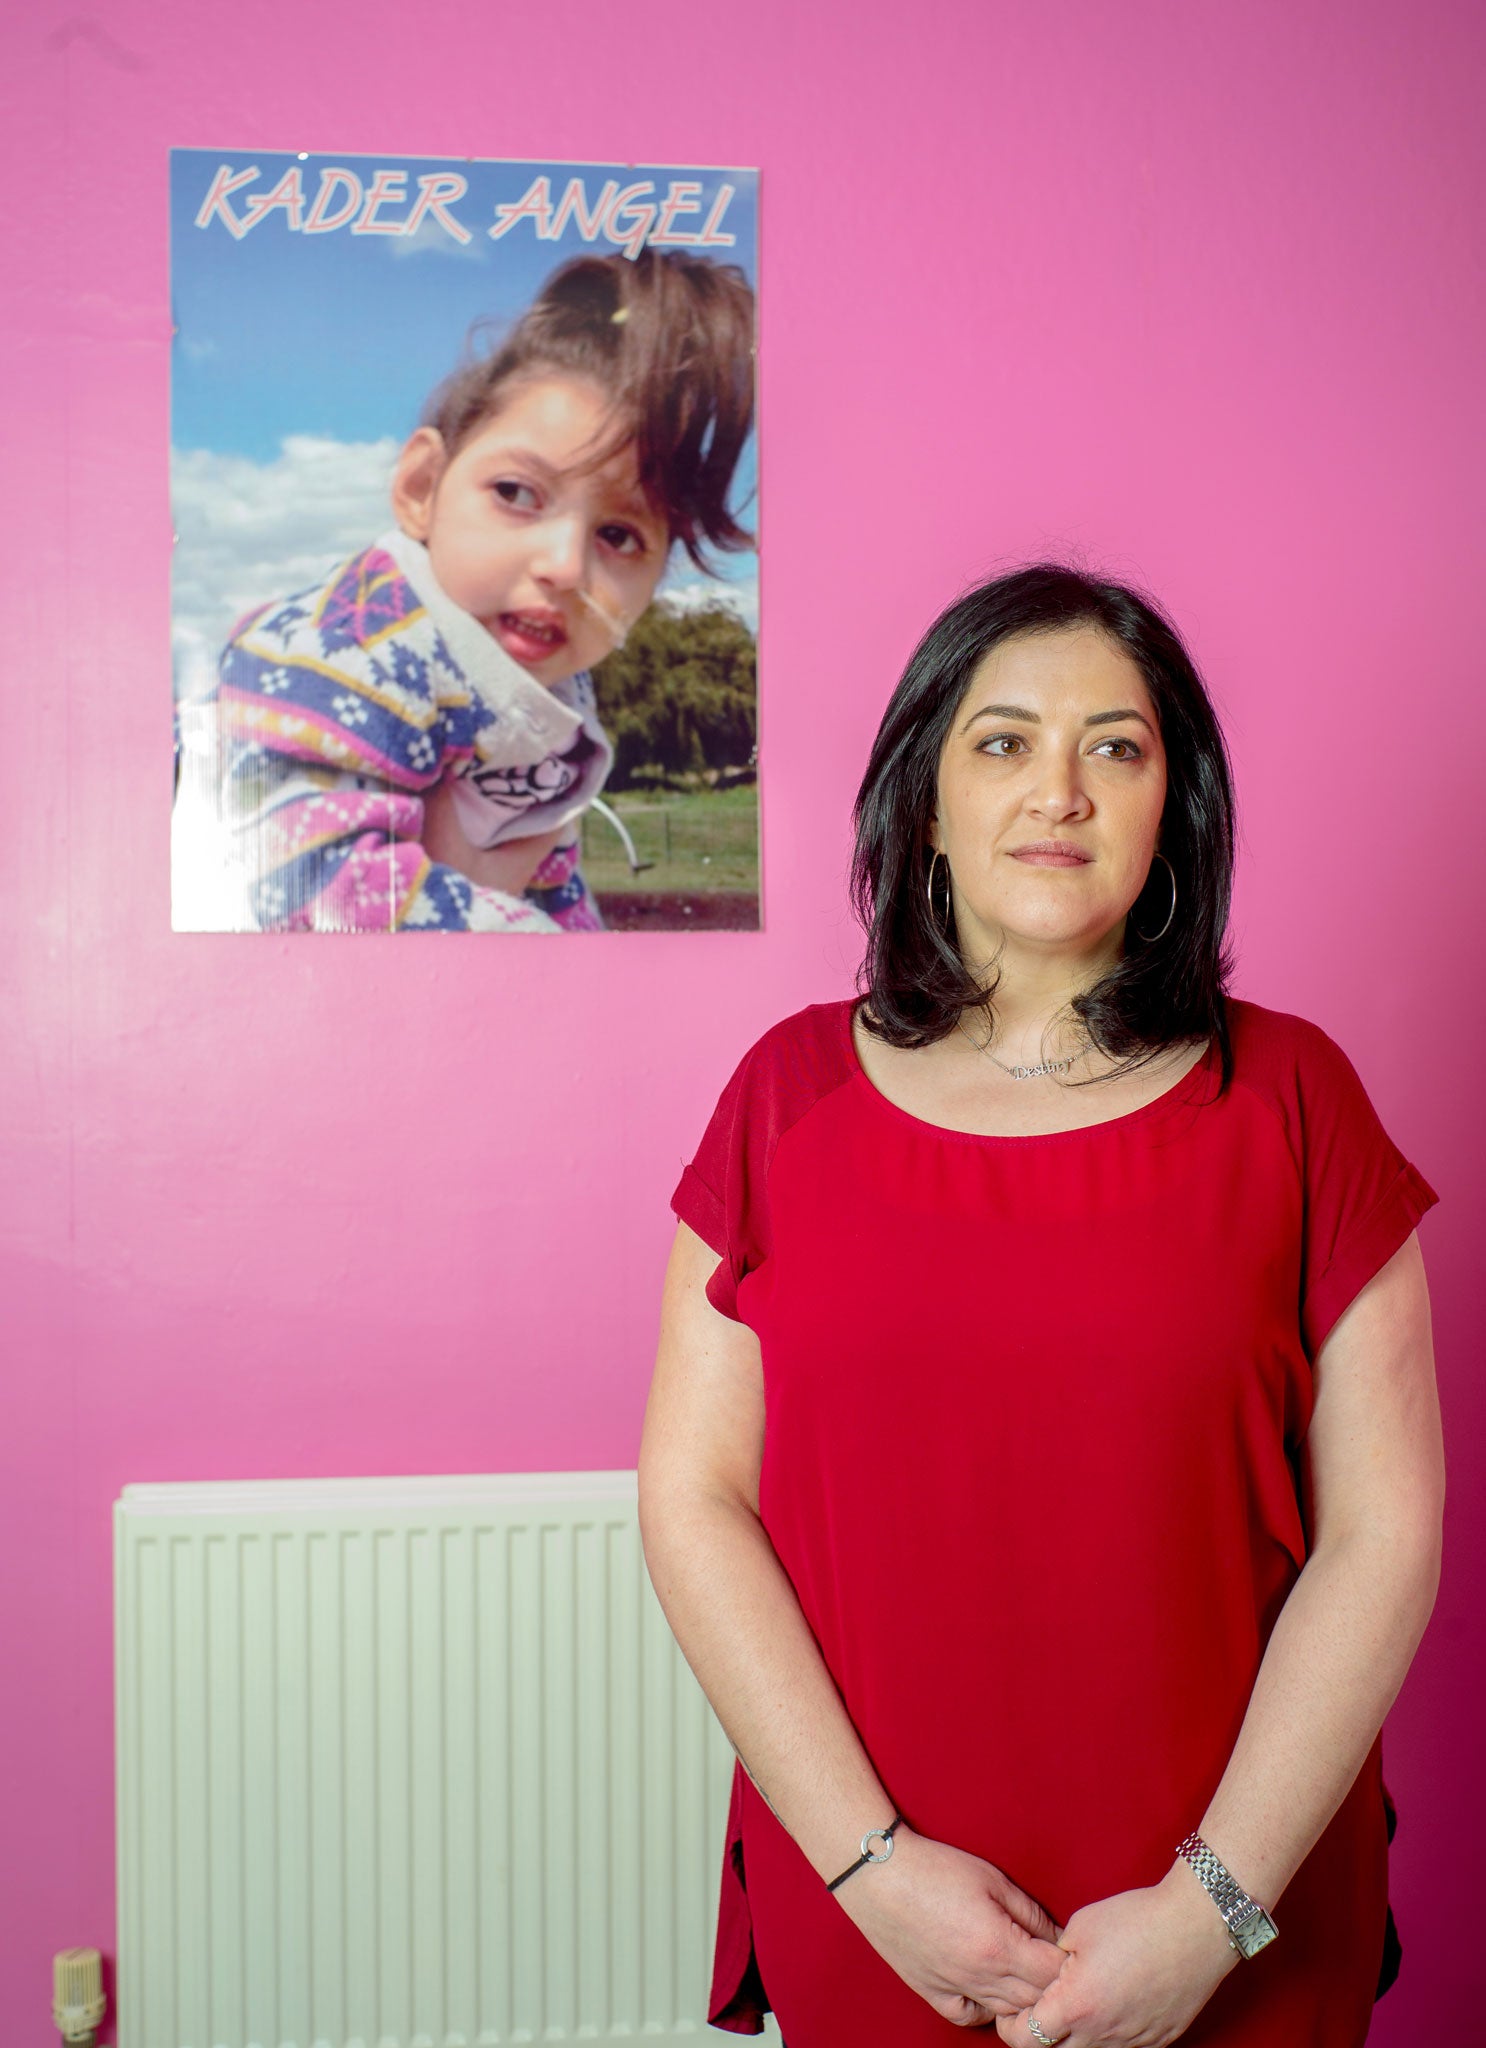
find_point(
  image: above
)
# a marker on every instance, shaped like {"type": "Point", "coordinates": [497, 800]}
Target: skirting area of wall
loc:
{"type": "Point", "coordinates": [406, 1763]}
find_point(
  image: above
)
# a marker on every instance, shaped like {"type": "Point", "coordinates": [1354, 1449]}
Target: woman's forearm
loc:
{"type": "Point", "coordinates": [1335, 1661]}
{"type": "Point", "coordinates": [738, 1620]}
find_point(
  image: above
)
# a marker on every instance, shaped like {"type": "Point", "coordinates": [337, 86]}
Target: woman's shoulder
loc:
{"type": "Point", "coordinates": [814, 1041]}
{"type": "Point", "coordinates": [1293, 1063]}
{"type": "Point", "coordinates": [796, 1061]}
{"type": "Point", "coordinates": [1276, 1038]}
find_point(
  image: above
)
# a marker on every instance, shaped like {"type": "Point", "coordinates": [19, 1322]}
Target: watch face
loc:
{"type": "Point", "coordinates": [1254, 1932]}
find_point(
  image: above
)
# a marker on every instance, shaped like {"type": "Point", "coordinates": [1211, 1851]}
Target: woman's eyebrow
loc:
{"type": "Point", "coordinates": [1035, 718]}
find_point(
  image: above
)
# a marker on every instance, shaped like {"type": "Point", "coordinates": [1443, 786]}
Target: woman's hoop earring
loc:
{"type": "Point", "coordinates": [942, 929]}
{"type": "Point", "coordinates": [1150, 938]}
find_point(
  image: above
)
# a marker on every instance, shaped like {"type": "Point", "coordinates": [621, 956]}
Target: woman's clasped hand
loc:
{"type": "Point", "coordinates": [956, 1930]}
{"type": "Point", "coordinates": [1131, 1971]}
{"type": "Point", "coordinates": [1138, 1969]}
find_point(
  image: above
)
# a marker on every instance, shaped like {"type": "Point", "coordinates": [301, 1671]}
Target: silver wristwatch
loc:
{"type": "Point", "coordinates": [1249, 1926]}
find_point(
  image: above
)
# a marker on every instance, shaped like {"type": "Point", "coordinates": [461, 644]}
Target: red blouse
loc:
{"type": "Point", "coordinates": [1035, 1417]}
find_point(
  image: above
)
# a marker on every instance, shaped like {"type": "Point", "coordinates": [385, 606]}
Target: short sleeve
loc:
{"type": "Point", "coordinates": [720, 1194]}
{"type": "Point", "coordinates": [723, 1192]}
{"type": "Point", "coordinates": [1362, 1197]}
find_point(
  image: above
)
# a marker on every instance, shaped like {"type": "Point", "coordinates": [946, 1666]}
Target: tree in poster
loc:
{"type": "Point", "coordinates": [681, 695]}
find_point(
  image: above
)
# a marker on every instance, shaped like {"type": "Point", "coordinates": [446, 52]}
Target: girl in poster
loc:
{"type": "Point", "coordinates": [410, 744]}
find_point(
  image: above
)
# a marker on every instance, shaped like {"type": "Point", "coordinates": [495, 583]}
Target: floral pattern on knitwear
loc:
{"type": "Point", "coordinates": [371, 598]}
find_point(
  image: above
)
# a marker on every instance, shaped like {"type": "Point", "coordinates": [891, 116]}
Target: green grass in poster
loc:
{"type": "Point", "coordinates": [702, 850]}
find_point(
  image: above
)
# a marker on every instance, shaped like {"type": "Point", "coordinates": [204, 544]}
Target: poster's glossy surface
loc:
{"type": "Point", "coordinates": [465, 588]}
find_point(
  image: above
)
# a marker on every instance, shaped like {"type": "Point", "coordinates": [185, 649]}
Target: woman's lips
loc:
{"type": "Point", "coordinates": [528, 638]}
{"type": "Point", "coordinates": [1052, 860]}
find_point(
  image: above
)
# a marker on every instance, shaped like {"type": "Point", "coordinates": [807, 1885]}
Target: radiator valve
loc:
{"type": "Point", "coordinates": [78, 2003]}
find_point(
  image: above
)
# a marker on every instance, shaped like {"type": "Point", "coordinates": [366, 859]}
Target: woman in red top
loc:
{"type": "Point", "coordinates": [1042, 1469]}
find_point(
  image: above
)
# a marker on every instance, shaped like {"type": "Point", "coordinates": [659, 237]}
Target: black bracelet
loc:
{"type": "Point", "coordinates": [883, 1835]}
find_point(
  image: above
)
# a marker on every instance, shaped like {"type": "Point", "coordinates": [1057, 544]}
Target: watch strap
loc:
{"type": "Point", "coordinates": [1249, 1927]}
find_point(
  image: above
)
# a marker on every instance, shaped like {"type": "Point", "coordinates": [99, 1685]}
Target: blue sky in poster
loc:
{"type": "Point", "coordinates": [301, 354]}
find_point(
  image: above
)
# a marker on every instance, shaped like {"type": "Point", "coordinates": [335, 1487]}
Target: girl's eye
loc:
{"type": "Point", "coordinates": [1131, 753]}
{"type": "Point", "coordinates": [624, 540]}
{"type": "Point", "coordinates": [995, 741]}
{"type": "Point", "coordinates": [511, 491]}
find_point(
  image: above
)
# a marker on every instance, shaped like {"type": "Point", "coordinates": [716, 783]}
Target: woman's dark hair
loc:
{"type": "Point", "coordinates": [1164, 989]}
{"type": "Point", "coordinates": [668, 338]}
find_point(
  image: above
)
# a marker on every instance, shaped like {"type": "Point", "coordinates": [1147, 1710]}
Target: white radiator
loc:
{"type": "Point", "coordinates": [406, 1763]}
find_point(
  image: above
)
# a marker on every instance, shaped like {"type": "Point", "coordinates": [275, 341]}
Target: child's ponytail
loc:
{"type": "Point", "coordinates": [669, 338]}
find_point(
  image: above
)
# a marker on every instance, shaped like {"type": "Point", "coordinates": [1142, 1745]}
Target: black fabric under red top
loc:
{"type": "Point", "coordinates": [996, 1366]}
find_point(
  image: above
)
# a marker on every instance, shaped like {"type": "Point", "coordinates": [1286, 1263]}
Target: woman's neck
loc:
{"type": "Point", "coordinates": [1034, 991]}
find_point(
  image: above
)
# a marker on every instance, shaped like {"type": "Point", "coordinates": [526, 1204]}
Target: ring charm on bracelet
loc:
{"type": "Point", "coordinates": [869, 1854]}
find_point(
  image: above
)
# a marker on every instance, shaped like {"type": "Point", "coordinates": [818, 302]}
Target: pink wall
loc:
{"type": "Point", "coordinates": [1195, 290]}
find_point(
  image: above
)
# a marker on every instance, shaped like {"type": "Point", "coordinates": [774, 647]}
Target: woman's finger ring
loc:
{"type": "Point", "coordinates": [1038, 2034]}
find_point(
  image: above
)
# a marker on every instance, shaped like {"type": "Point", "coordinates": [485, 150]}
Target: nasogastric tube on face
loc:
{"type": "Point", "coordinates": [615, 625]}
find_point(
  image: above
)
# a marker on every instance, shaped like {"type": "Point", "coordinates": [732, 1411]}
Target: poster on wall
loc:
{"type": "Point", "coordinates": [464, 598]}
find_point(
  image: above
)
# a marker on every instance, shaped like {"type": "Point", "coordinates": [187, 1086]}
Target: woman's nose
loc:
{"type": "Point", "coordinates": [1060, 789]}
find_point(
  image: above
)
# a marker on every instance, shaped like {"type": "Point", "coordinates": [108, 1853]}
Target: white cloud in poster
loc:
{"type": "Point", "coordinates": [429, 239]}
{"type": "Point", "coordinates": [247, 531]}
{"type": "Point", "coordinates": [738, 594]}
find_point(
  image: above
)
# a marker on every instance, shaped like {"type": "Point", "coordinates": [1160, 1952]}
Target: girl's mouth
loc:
{"type": "Point", "coordinates": [530, 637]}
